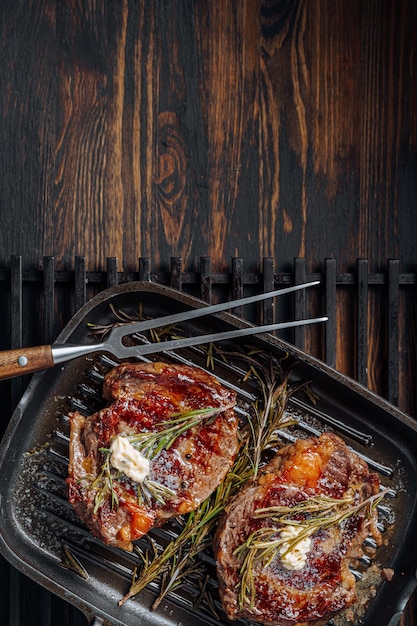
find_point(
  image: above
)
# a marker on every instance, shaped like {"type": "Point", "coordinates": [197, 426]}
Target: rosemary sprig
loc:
{"type": "Point", "coordinates": [180, 567]}
{"type": "Point", "coordinates": [149, 489]}
{"type": "Point", "coordinates": [70, 562]}
{"type": "Point", "coordinates": [104, 484]}
{"type": "Point", "coordinates": [310, 516]}
{"type": "Point", "coordinates": [318, 505]}
{"type": "Point", "coordinates": [321, 511]}
{"type": "Point", "coordinates": [151, 443]}
{"type": "Point", "coordinates": [269, 414]}
{"type": "Point", "coordinates": [123, 318]}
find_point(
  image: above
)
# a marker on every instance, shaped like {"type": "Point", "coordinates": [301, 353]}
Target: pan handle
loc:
{"type": "Point", "coordinates": [25, 361]}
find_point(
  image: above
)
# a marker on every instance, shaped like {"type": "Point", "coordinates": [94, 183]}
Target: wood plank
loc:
{"type": "Point", "coordinates": [186, 127]}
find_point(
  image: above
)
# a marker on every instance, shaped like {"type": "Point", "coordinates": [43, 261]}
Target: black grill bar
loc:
{"type": "Point", "coordinates": [300, 277]}
{"type": "Point", "coordinates": [330, 299]}
{"type": "Point", "coordinates": [393, 329]}
{"type": "Point", "coordinates": [80, 279]}
{"type": "Point", "coordinates": [176, 274]}
{"type": "Point", "coordinates": [48, 299]}
{"type": "Point", "coordinates": [16, 302]}
{"type": "Point", "coordinates": [35, 275]}
{"type": "Point", "coordinates": [205, 279]}
{"type": "Point", "coordinates": [268, 285]}
{"type": "Point", "coordinates": [16, 321]}
{"type": "Point", "coordinates": [237, 283]}
{"type": "Point", "coordinates": [112, 272]}
{"type": "Point", "coordinates": [362, 321]}
{"type": "Point", "coordinates": [144, 270]}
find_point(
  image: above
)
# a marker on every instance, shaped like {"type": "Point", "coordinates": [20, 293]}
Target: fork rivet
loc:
{"type": "Point", "coordinates": [22, 360]}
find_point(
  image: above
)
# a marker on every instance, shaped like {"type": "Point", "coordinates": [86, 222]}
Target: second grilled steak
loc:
{"type": "Point", "coordinates": [299, 582]}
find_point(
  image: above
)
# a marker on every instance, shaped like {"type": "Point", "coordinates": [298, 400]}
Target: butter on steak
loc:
{"type": "Point", "coordinates": [316, 583]}
{"type": "Point", "coordinates": [104, 463]}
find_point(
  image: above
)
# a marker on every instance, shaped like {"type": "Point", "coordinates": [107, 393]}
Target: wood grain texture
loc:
{"type": "Point", "coordinates": [345, 131]}
{"type": "Point", "coordinates": [254, 128]}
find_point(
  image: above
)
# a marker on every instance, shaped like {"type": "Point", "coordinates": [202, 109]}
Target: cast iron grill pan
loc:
{"type": "Point", "coordinates": [37, 522]}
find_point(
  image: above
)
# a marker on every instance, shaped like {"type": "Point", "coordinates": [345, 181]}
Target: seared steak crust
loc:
{"type": "Point", "coordinates": [324, 585]}
{"type": "Point", "coordinates": [142, 398]}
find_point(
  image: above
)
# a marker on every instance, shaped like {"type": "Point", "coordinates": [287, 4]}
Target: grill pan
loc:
{"type": "Point", "coordinates": [36, 521]}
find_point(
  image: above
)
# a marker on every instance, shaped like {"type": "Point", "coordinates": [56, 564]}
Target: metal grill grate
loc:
{"type": "Point", "coordinates": [59, 294]}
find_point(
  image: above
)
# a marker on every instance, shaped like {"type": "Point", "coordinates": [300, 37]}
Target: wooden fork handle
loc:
{"type": "Point", "coordinates": [25, 361]}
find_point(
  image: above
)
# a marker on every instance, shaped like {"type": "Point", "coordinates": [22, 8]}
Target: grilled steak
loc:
{"type": "Point", "coordinates": [305, 582]}
{"type": "Point", "coordinates": [164, 443]}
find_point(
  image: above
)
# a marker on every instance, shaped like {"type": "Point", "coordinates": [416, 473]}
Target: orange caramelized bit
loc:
{"type": "Point", "coordinates": [140, 524]}
{"type": "Point", "coordinates": [140, 520]}
{"type": "Point", "coordinates": [123, 534]}
{"type": "Point", "coordinates": [186, 506]}
{"type": "Point", "coordinates": [304, 469]}
{"type": "Point", "coordinates": [88, 464]}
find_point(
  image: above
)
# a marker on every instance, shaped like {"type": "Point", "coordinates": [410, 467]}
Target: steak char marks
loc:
{"type": "Point", "coordinates": [323, 585]}
{"type": "Point", "coordinates": [143, 397]}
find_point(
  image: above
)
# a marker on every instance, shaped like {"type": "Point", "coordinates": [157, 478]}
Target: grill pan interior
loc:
{"type": "Point", "coordinates": [37, 522]}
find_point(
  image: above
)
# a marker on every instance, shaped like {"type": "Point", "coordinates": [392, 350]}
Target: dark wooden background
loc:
{"type": "Point", "coordinates": [219, 128]}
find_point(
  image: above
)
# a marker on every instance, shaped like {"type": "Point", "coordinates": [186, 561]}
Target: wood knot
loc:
{"type": "Point", "coordinates": [171, 161]}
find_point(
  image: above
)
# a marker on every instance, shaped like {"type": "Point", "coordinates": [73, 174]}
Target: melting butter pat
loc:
{"type": "Point", "coordinates": [131, 462]}
{"type": "Point", "coordinates": [296, 558]}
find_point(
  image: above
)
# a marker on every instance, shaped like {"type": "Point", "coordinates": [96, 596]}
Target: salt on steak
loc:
{"type": "Point", "coordinates": [300, 583]}
{"type": "Point", "coordinates": [130, 468]}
